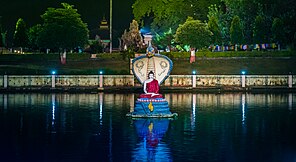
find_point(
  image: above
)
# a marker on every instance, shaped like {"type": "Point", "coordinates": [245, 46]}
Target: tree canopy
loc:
{"type": "Point", "coordinates": [277, 31]}
{"type": "Point", "coordinates": [20, 37]}
{"type": "Point", "coordinates": [194, 33]}
{"type": "Point", "coordinates": [63, 28]}
{"type": "Point", "coordinates": [166, 14]}
{"type": "Point", "coordinates": [260, 31]}
{"type": "Point", "coordinates": [164, 40]}
{"type": "Point", "coordinates": [214, 28]}
{"type": "Point", "coordinates": [257, 16]}
{"type": "Point", "coordinates": [33, 35]}
{"type": "Point", "coordinates": [236, 32]}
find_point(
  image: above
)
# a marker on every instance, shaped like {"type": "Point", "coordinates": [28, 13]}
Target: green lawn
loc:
{"type": "Point", "coordinates": [234, 66]}
{"type": "Point", "coordinates": [115, 64]}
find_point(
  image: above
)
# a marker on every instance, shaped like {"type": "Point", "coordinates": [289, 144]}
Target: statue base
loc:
{"type": "Point", "coordinates": [151, 108]}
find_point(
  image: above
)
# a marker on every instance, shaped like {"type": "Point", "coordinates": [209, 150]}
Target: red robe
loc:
{"type": "Point", "coordinates": [152, 87]}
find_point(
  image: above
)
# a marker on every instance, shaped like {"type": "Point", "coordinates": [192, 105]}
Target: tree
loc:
{"type": "Point", "coordinates": [164, 40]}
{"type": "Point", "coordinates": [217, 14]}
{"type": "Point", "coordinates": [278, 34]}
{"type": "Point", "coordinates": [63, 29]}
{"type": "Point", "coordinates": [164, 14]}
{"type": "Point", "coordinates": [132, 39]}
{"type": "Point", "coordinates": [236, 32]}
{"type": "Point", "coordinates": [20, 37]}
{"type": "Point", "coordinates": [246, 10]}
{"type": "Point", "coordinates": [194, 33]}
{"type": "Point", "coordinates": [260, 31]}
{"type": "Point", "coordinates": [3, 35]}
{"type": "Point", "coordinates": [1, 39]}
{"type": "Point", "coordinates": [214, 28]}
{"type": "Point", "coordinates": [33, 35]}
{"type": "Point", "coordinates": [167, 14]}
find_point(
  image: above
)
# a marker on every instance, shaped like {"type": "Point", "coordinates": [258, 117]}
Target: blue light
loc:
{"type": "Point", "coordinates": [243, 72]}
{"type": "Point", "coordinates": [101, 72]}
{"type": "Point", "coordinates": [53, 72]}
{"type": "Point", "coordinates": [193, 72]}
{"type": "Point", "coordinates": [144, 30]}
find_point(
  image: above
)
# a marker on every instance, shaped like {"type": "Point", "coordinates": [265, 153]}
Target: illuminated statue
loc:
{"type": "Point", "coordinates": [151, 87]}
{"type": "Point", "coordinates": [157, 68]}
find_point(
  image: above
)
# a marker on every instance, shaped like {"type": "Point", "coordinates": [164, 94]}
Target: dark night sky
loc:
{"type": "Point", "coordinates": [91, 12]}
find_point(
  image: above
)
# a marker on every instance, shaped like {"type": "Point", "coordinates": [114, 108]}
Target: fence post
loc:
{"type": "Point", "coordinates": [243, 80]}
{"type": "Point", "coordinates": [193, 79]}
{"type": "Point", "coordinates": [101, 80]}
{"type": "Point", "coordinates": [53, 81]}
{"type": "Point", "coordinates": [290, 81]}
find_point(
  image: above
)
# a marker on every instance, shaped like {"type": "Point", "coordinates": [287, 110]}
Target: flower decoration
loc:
{"type": "Point", "coordinates": [150, 52]}
{"type": "Point", "coordinates": [140, 64]}
{"type": "Point", "coordinates": [163, 64]}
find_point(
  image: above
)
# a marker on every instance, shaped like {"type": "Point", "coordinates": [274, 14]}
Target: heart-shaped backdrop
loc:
{"type": "Point", "coordinates": [159, 64]}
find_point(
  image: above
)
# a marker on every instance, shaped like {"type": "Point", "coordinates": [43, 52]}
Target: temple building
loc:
{"type": "Point", "coordinates": [102, 33]}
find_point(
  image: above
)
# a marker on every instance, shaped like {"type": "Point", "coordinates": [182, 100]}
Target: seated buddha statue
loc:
{"type": "Point", "coordinates": [151, 87]}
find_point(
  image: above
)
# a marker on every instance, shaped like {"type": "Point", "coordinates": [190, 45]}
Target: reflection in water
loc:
{"type": "Point", "coordinates": [5, 101]}
{"type": "Point", "coordinates": [150, 148]}
{"type": "Point", "coordinates": [101, 108]}
{"type": "Point", "coordinates": [93, 127]}
{"type": "Point", "coordinates": [193, 111]}
{"type": "Point", "coordinates": [53, 112]}
{"type": "Point", "coordinates": [290, 101]}
{"type": "Point", "coordinates": [243, 108]}
{"type": "Point", "coordinates": [132, 103]}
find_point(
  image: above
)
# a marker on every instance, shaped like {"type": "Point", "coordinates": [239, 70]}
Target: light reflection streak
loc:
{"type": "Point", "coordinates": [290, 101]}
{"type": "Point", "coordinates": [193, 111]}
{"type": "Point", "coordinates": [243, 108]}
{"type": "Point", "coordinates": [5, 101]}
{"type": "Point", "coordinates": [53, 110]}
{"type": "Point", "coordinates": [101, 107]}
{"type": "Point", "coordinates": [132, 102]}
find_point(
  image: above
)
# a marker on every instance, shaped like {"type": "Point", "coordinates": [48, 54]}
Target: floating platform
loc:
{"type": "Point", "coordinates": [151, 108]}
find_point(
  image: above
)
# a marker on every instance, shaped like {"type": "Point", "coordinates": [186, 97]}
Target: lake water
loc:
{"type": "Point", "coordinates": [234, 127]}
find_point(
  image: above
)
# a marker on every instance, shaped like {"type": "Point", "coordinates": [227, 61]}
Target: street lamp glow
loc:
{"type": "Point", "coordinates": [193, 72]}
{"type": "Point", "coordinates": [243, 72]}
{"type": "Point", "coordinates": [100, 72]}
{"type": "Point", "coordinates": [53, 72]}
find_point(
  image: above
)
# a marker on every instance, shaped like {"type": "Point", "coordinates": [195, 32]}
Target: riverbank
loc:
{"type": "Point", "coordinates": [271, 63]}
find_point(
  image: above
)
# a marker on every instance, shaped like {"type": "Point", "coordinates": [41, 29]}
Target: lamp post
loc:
{"type": "Point", "coordinates": [101, 79]}
{"type": "Point", "coordinates": [290, 80]}
{"type": "Point", "coordinates": [243, 78]}
{"type": "Point", "coordinates": [53, 76]}
{"type": "Point", "coordinates": [193, 79]}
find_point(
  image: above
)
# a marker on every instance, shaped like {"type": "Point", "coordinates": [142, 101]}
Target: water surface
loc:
{"type": "Point", "coordinates": [93, 127]}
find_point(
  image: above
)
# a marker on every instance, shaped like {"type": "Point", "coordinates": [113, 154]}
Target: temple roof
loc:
{"type": "Point", "coordinates": [102, 31]}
